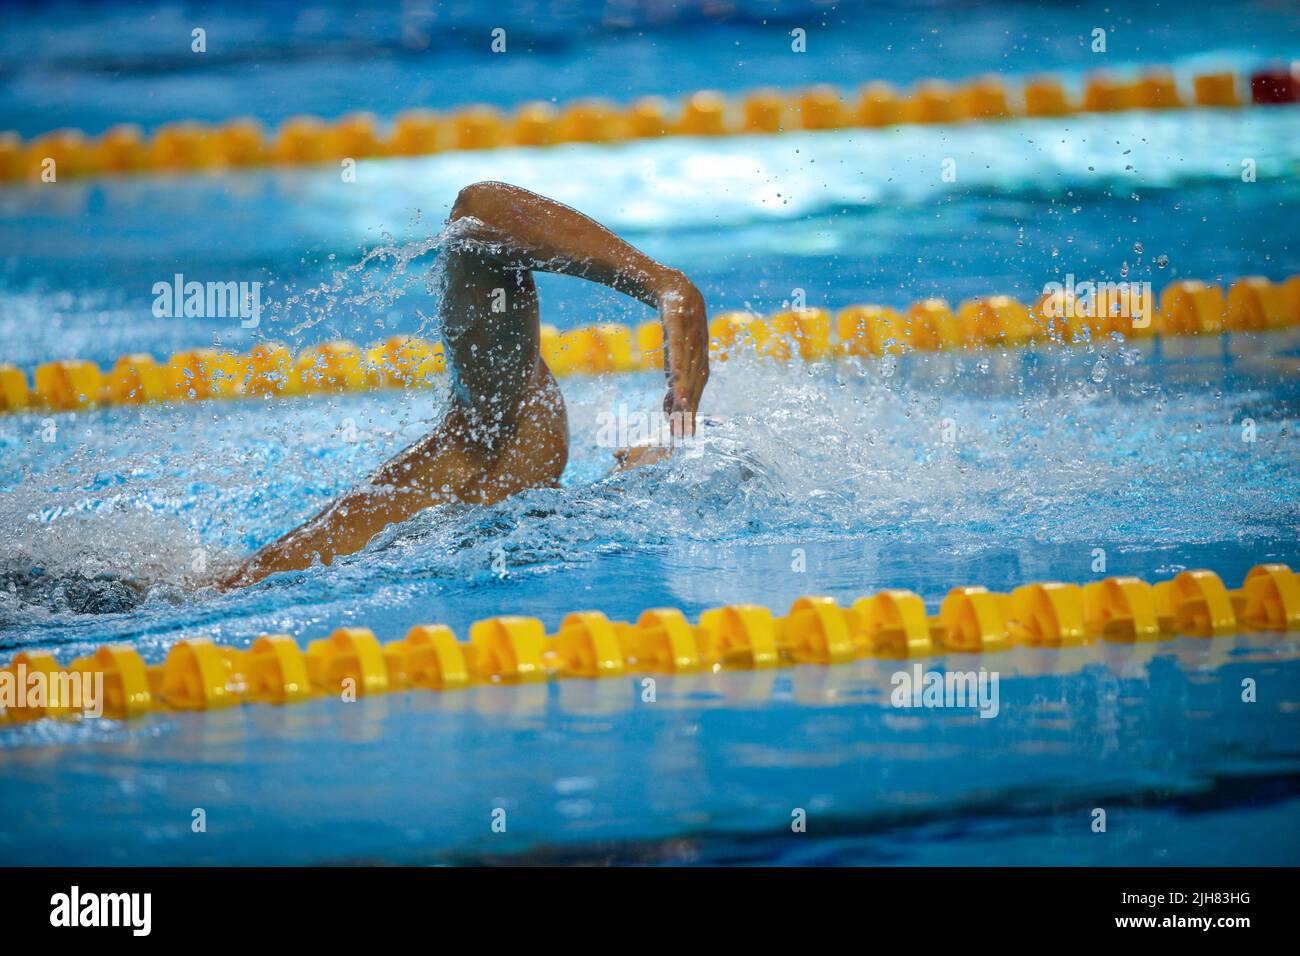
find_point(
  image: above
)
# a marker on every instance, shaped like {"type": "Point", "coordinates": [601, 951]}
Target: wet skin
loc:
{"type": "Point", "coordinates": [505, 429]}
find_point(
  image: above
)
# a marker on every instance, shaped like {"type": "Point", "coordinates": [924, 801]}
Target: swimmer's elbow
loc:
{"type": "Point", "coordinates": [479, 200]}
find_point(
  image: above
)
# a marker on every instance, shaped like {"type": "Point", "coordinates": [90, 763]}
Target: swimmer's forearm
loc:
{"type": "Point", "coordinates": [548, 236]}
{"type": "Point", "coordinates": [345, 527]}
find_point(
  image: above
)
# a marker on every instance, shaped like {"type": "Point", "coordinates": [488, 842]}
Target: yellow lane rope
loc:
{"type": "Point", "coordinates": [188, 146]}
{"type": "Point", "coordinates": [892, 624]}
{"type": "Point", "coordinates": [1186, 307]}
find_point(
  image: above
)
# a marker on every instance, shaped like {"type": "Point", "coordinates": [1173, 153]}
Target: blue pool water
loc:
{"type": "Point", "coordinates": [843, 470]}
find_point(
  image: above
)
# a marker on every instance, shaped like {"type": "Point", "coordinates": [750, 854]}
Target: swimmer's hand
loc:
{"type": "Point", "coordinates": [686, 335]}
{"type": "Point", "coordinates": [658, 448]}
{"type": "Point", "coordinates": [629, 458]}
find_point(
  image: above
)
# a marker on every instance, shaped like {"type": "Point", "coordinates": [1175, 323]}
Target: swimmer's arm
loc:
{"type": "Point", "coordinates": [345, 526]}
{"type": "Point", "coordinates": [442, 467]}
{"type": "Point", "coordinates": [537, 233]}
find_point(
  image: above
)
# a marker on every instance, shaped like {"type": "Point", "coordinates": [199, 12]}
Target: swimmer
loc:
{"type": "Point", "coordinates": [505, 429]}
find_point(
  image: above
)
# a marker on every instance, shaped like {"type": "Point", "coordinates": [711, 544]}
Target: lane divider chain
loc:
{"type": "Point", "coordinates": [892, 624]}
{"type": "Point", "coordinates": [304, 140]}
{"type": "Point", "coordinates": [1186, 307]}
